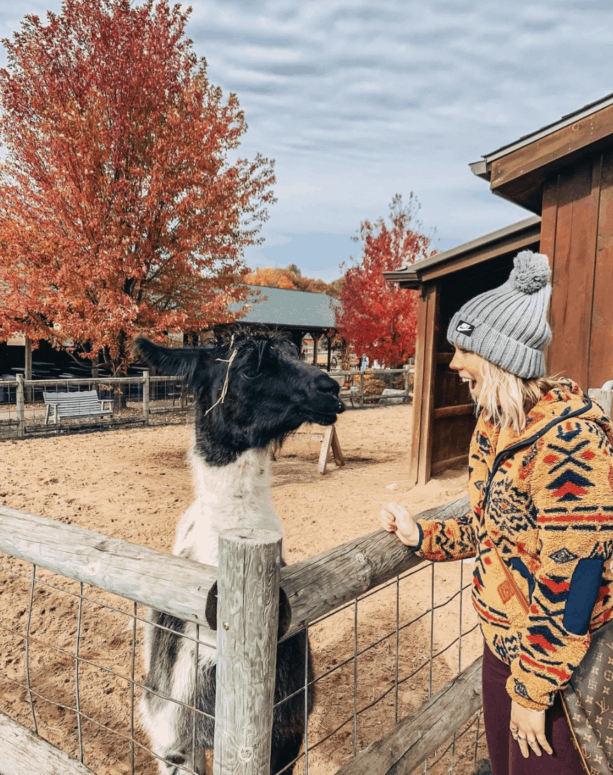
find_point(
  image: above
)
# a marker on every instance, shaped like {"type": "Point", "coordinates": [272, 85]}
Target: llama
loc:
{"type": "Point", "coordinates": [251, 392]}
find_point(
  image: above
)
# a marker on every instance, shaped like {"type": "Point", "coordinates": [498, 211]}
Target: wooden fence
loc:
{"type": "Point", "coordinates": [151, 399]}
{"type": "Point", "coordinates": [249, 587]}
{"type": "Point", "coordinates": [138, 401]}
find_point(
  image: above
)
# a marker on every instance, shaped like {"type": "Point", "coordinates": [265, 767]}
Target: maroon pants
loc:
{"type": "Point", "coordinates": [505, 755]}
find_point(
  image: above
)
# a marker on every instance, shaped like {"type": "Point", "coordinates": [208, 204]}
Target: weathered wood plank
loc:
{"type": "Point", "coordinates": [571, 307]}
{"type": "Point", "coordinates": [485, 254]}
{"type": "Point", "coordinates": [552, 148]}
{"type": "Point", "coordinates": [248, 608]}
{"type": "Point", "coordinates": [317, 586]}
{"type": "Point", "coordinates": [416, 737]}
{"type": "Point", "coordinates": [418, 386]}
{"type": "Point", "coordinates": [21, 752]}
{"type": "Point", "coordinates": [171, 584]}
{"type": "Point", "coordinates": [432, 319]}
{"type": "Point", "coordinates": [601, 352]}
{"type": "Point", "coordinates": [180, 587]}
{"type": "Point", "coordinates": [453, 411]}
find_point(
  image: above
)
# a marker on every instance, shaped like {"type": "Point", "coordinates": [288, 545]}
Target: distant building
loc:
{"type": "Point", "coordinates": [304, 316]}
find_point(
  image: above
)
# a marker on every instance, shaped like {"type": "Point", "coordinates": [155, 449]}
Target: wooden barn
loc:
{"type": "Point", "coordinates": [563, 174]}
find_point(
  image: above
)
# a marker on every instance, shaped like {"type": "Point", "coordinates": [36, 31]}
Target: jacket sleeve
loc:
{"type": "Point", "coordinates": [571, 487]}
{"type": "Point", "coordinates": [448, 539]}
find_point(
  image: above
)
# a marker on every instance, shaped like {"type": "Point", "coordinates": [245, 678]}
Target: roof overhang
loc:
{"type": "Point", "coordinates": [518, 171]}
{"type": "Point", "coordinates": [518, 236]}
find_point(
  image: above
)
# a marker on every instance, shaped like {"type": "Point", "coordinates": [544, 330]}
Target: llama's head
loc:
{"type": "Point", "coordinates": [250, 388]}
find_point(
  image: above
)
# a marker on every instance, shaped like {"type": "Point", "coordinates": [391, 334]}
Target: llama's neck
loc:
{"type": "Point", "coordinates": [231, 496]}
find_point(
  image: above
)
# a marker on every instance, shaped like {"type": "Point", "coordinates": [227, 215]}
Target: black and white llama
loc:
{"type": "Point", "coordinates": [251, 390]}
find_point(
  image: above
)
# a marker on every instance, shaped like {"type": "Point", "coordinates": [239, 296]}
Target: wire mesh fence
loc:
{"type": "Point", "coordinates": [27, 407]}
{"type": "Point", "coordinates": [73, 669]}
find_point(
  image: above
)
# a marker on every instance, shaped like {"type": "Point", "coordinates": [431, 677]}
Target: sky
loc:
{"type": "Point", "coordinates": [357, 101]}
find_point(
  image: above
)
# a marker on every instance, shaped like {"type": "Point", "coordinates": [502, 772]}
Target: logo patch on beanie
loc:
{"type": "Point", "coordinates": [465, 328]}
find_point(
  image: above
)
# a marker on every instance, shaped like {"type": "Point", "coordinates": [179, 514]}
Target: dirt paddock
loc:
{"type": "Point", "coordinates": [135, 484]}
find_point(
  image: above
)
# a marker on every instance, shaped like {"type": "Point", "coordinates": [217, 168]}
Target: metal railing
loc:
{"type": "Point", "coordinates": [136, 401]}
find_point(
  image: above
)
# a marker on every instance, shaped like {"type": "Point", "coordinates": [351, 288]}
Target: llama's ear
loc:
{"type": "Point", "coordinates": [172, 361]}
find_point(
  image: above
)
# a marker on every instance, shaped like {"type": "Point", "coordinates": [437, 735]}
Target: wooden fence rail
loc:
{"type": "Point", "coordinates": [189, 590]}
{"type": "Point", "coordinates": [171, 584]}
{"type": "Point", "coordinates": [415, 738]}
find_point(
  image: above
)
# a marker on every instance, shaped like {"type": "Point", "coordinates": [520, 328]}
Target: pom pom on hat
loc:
{"type": "Point", "coordinates": [531, 272]}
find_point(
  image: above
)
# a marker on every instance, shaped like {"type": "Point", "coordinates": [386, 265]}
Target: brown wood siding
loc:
{"type": "Point", "coordinates": [425, 361]}
{"type": "Point", "coordinates": [577, 229]}
{"type": "Point", "coordinates": [601, 343]}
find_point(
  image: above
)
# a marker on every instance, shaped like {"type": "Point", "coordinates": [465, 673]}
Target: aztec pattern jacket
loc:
{"type": "Point", "coordinates": [549, 515]}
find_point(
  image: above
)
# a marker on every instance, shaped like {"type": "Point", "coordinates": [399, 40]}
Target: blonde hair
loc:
{"type": "Point", "coordinates": [505, 399]}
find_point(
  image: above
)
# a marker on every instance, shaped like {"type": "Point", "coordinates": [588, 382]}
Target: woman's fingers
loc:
{"type": "Point", "coordinates": [388, 521]}
{"type": "Point", "coordinates": [544, 743]}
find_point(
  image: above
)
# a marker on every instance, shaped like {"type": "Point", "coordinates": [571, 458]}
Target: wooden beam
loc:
{"type": "Point", "coordinates": [418, 736]}
{"type": "Point", "coordinates": [427, 405]}
{"type": "Point", "coordinates": [453, 411]}
{"type": "Point", "coordinates": [172, 584]}
{"type": "Point", "coordinates": [317, 586]}
{"type": "Point", "coordinates": [487, 254]}
{"type": "Point", "coordinates": [21, 751]}
{"type": "Point", "coordinates": [181, 587]}
{"type": "Point", "coordinates": [574, 270]}
{"type": "Point", "coordinates": [248, 609]}
{"type": "Point", "coordinates": [555, 147]}
{"type": "Point", "coordinates": [418, 385]}
{"type": "Point", "coordinates": [451, 462]}
{"type": "Point", "coordinates": [600, 367]}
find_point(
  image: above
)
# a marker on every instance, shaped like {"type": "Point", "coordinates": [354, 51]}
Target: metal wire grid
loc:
{"type": "Point", "coordinates": [169, 399]}
{"type": "Point", "coordinates": [356, 708]}
{"type": "Point", "coordinates": [443, 761]}
{"type": "Point", "coordinates": [41, 717]}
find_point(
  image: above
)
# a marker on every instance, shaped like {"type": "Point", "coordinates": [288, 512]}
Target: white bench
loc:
{"type": "Point", "coordinates": [82, 404]}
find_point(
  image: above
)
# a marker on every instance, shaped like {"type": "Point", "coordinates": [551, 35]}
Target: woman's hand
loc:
{"type": "Point", "coordinates": [528, 728]}
{"type": "Point", "coordinates": [396, 519]}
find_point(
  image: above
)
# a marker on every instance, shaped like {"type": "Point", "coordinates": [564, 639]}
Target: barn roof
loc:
{"type": "Point", "coordinates": [480, 167]}
{"type": "Point", "coordinates": [520, 170]}
{"type": "Point", "coordinates": [515, 237]}
{"type": "Point", "coordinates": [290, 309]}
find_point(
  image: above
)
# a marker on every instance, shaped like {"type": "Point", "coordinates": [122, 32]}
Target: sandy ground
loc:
{"type": "Point", "coordinates": [135, 484]}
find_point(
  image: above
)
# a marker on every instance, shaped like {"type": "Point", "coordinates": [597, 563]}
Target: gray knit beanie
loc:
{"type": "Point", "coordinates": [508, 325]}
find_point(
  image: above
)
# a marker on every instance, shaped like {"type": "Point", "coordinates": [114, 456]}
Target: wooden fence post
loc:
{"type": "Point", "coordinates": [362, 388]}
{"type": "Point", "coordinates": [247, 627]}
{"type": "Point", "coordinates": [146, 386]}
{"type": "Point", "coordinates": [21, 408]}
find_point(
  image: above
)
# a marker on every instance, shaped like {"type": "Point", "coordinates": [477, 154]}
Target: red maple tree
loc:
{"type": "Point", "coordinates": [378, 318]}
{"type": "Point", "coordinates": [123, 207]}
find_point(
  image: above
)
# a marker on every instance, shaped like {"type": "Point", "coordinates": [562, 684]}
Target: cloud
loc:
{"type": "Point", "coordinates": [357, 101]}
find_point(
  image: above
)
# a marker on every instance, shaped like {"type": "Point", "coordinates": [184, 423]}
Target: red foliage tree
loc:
{"type": "Point", "coordinates": [377, 318]}
{"type": "Point", "coordinates": [120, 210]}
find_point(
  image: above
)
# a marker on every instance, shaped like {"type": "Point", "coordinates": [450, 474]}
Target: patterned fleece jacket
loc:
{"type": "Point", "coordinates": [549, 515]}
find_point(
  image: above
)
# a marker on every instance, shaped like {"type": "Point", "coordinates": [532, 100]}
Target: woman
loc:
{"type": "Point", "coordinates": [541, 521]}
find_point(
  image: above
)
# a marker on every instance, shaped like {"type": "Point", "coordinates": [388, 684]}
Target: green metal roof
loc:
{"type": "Point", "coordinates": [287, 308]}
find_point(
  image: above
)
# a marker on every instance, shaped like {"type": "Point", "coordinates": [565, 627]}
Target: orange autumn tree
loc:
{"type": "Point", "coordinates": [291, 278]}
{"type": "Point", "coordinates": [378, 318]}
{"type": "Point", "coordinates": [124, 207]}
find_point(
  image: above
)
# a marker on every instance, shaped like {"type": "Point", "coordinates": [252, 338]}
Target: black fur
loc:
{"type": "Point", "coordinates": [270, 391]}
